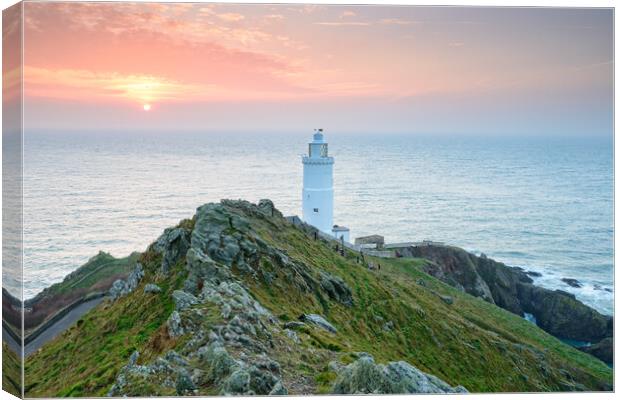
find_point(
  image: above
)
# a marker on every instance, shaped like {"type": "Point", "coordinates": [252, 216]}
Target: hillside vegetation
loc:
{"type": "Point", "coordinates": [239, 301]}
{"type": "Point", "coordinates": [95, 276]}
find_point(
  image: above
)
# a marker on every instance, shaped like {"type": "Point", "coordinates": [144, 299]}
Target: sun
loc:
{"type": "Point", "coordinates": [147, 107]}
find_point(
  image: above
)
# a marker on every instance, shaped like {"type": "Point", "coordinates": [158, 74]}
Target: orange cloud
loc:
{"type": "Point", "coordinates": [69, 84]}
{"type": "Point", "coordinates": [230, 17]}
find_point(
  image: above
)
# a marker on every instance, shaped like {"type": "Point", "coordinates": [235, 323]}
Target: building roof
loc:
{"type": "Point", "coordinates": [371, 237]}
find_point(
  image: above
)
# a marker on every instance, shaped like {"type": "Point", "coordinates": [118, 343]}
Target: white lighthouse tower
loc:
{"type": "Point", "coordinates": [318, 191]}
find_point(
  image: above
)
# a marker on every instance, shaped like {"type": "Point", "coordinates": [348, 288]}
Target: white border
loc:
{"type": "Point", "coordinates": [476, 3]}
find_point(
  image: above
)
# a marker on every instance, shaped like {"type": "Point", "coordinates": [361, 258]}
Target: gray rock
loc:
{"type": "Point", "coordinates": [122, 288]}
{"type": "Point", "coordinates": [446, 299]}
{"type": "Point", "coordinates": [134, 278]}
{"type": "Point", "coordinates": [219, 362]}
{"type": "Point", "coordinates": [262, 380]}
{"type": "Point", "coordinates": [336, 289]}
{"type": "Point", "coordinates": [173, 244]}
{"type": "Point", "coordinates": [266, 207]}
{"type": "Point", "coordinates": [319, 321]}
{"type": "Point", "coordinates": [183, 300]}
{"type": "Point", "coordinates": [174, 358]}
{"type": "Point", "coordinates": [364, 376]}
{"type": "Point", "coordinates": [404, 378]}
{"type": "Point", "coordinates": [292, 335]}
{"type": "Point", "coordinates": [184, 384]}
{"type": "Point", "coordinates": [388, 326]}
{"type": "Point", "coordinates": [237, 383]}
{"type": "Point", "coordinates": [151, 288]}
{"type": "Point", "coordinates": [278, 390]}
{"type": "Point", "coordinates": [134, 358]}
{"type": "Point", "coordinates": [293, 325]}
{"type": "Point", "coordinates": [603, 350]}
{"type": "Point", "coordinates": [335, 366]}
{"type": "Point", "coordinates": [201, 267]}
{"type": "Point", "coordinates": [572, 282]}
{"type": "Point", "coordinates": [117, 289]}
{"type": "Point", "coordinates": [174, 325]}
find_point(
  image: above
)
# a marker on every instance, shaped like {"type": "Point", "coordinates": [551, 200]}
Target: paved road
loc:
{"type": "Point", "coordinates": [56, 329]}
{"type": "Point", "coordinates": [8, 339]}
{"type": "Point", "coordinates": [61, 325]}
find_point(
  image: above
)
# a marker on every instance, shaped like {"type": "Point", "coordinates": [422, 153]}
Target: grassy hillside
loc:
{"type": "Point", "coordinates": [96, 276]}
{"type": "Point", "coordinates": [11, 371]}
{"type": "Point", "coordinates": [397, 313]}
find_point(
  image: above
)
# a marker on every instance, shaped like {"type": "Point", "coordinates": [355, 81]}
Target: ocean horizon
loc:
{"type": "Point", "coordinates": [544, 204]}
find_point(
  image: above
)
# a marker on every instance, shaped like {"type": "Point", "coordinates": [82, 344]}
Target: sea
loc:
{"type": "Point", "coordinates": [544, 204]}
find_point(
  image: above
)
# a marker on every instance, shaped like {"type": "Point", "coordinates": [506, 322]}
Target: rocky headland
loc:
{"type": "Point", "coordinates": [237, 300]}
{"type": "Point", "coordinates": [511, 288]}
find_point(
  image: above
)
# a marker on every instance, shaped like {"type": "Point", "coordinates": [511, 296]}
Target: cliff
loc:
{"type": "Point", "coordinates": [237, 300]}
{"type": "Point", "coordinates": [556, 311]}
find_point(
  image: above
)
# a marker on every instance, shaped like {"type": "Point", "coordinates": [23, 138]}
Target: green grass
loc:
{"type": "Point", "coordinates": [470, 342]}
{"type": "Point", "coordinates": [11, 371]}
{"type": "Point", "coordinates": [99, 267]}
{"type": "Point", "coordinates": [90, 354]}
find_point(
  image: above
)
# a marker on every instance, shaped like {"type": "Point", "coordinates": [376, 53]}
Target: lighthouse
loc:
{"type": "Point", "coordinates": [318, 189]}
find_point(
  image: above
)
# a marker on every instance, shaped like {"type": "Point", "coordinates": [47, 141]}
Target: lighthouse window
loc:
{"type": "Point", "coordinates": [316, 210]}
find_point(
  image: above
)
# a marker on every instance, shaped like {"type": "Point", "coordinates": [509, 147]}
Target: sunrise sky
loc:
{"type": "Point", "coordinates": [94, 67]}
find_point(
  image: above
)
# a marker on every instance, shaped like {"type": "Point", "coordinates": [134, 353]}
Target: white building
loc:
{"type": "Point", "coordinates": [318, 190]}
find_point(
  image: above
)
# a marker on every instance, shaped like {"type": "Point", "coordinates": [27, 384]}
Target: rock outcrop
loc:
{"type": "Point", "coordinates": [511, 288]}
{"type": "Point", "coordinates": [122, 288]}
{"type": "Point", "coordinates": [319, 321]}
{"type": "Point", "coordinates": [246, 304]}
{"type": "Point", "coordinates": [221, 240]}
{"type": "Point", "coordinates": [562, 315]}
{"type": "Point", "coordinates": [151, 288]}
{"type": "Point", "coordinates": [173, 245]}
{"type": "Point", "coordinates": [603, 350]}
{"type": "Point", "coordinates": [364, 376]}
{"type": "Point", "coordinates": [336, 289]}
{"type": "Point", "coordinates": [234, 355]}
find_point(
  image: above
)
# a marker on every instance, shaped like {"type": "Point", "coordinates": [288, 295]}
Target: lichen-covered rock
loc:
{"type": "Point", "coordinates": [404, 378]}
{"type": "Point", "coordinates": [122, 288]}
{"type": "Point", "coordinates": [134, 278]}
{"type": "Point", "coordinates": [173, 244]}
{"type": "Point", "coordinates": [278, 390]}
{"type": "Point", "coordinates": [364, 376]}
{"type": "Point", "coordinates": [293, 325]}
{"type": "Point", "coordinates": [319, 321]}
{"type": "Point", "coordinates": [116, 289]}
{"type": "Point", "coordinates": [238, 383]}
{"type": "Point", "coordinates": [184, 384]}
{"type": "Point", "coordinates": [151, 288]}
{"type": "Point", "coordinates": [218, 360]}
{"type": "Point", "coordinates": [266, 207]}
{"type": "Point", "coordinates": [292, 335]}
{"type": "Point", "coordinates": [174, 325]}
{"type": "Point", "coordinates": [336, 289]}
{"type": "Point", "coordinates": [183, 300]}
{"type": "Point", "coordinates": [202, 268]}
